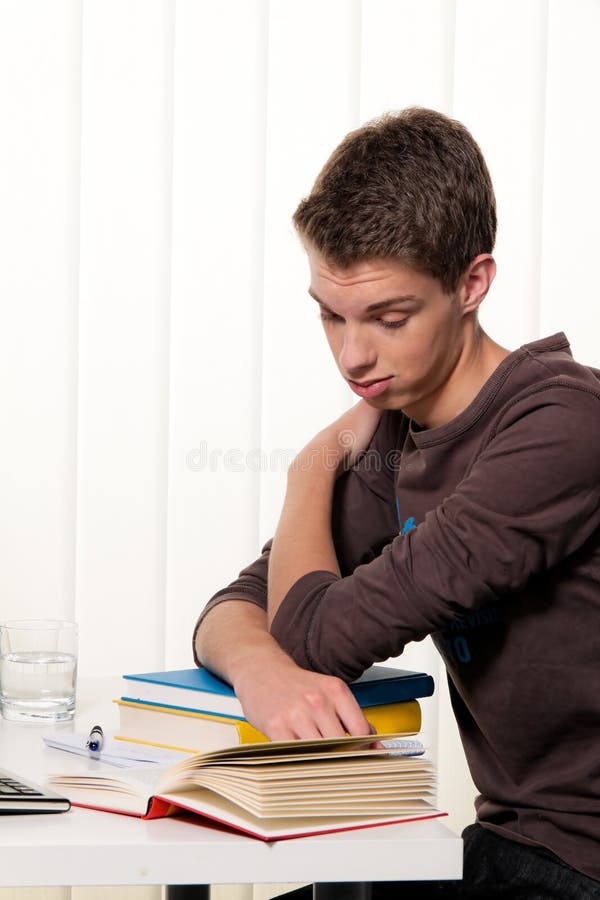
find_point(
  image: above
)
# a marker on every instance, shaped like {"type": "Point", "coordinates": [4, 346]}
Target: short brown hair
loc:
{"type": "Point", "coordinates": [412, 185]}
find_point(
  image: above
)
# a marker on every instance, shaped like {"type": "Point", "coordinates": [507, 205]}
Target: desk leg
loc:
{"type": "Point", "coordinates": [187, 892]}
{"type": "Point", "coordinates": [349, 890]}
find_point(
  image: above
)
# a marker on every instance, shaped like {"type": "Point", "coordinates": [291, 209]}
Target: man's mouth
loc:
{"type": "Point", "coordinates": [371, 388]}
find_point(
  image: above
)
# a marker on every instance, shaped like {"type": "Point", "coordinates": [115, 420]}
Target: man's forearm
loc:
{"type": "Point", "coordinates": [303, 541]}
{"type": "Point", "coordinates": [232, 637]}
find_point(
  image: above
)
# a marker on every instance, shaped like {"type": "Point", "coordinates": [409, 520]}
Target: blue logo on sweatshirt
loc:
{"type": "Point", "coordinates": [408, 525]}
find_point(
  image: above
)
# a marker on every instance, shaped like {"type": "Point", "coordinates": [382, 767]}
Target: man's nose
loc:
{"type": "Point", "coordinates": [357, 354]}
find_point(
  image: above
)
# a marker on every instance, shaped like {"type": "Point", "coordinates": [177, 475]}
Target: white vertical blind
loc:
{"type": "Point", "coordinates": [216, 305]}
{"type": "Point", "coordinates": [407, 55]}
{"type": "Point", "coordinates": [39, 198]}
{"type": "Point", "coordinates": [571, 187]}
{"type": "Point", "coordinates": [160, 358]}
{"type": "Point", "coordinates": [126, 88]}
{"type": "Point", "coordinates": [499, 93]}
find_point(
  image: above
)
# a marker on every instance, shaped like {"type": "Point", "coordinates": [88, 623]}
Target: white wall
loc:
{"type": "Point", "coordinates": [155, 329]}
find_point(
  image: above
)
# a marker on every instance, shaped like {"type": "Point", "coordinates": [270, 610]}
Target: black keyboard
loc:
{"type": "Point", "coordinates": [18, 795]}
{"type": "Point", "coordinates": [10, 787]}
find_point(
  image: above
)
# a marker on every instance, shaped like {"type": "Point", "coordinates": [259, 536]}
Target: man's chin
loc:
{"type": "Point", "coordinates": [383, 402]}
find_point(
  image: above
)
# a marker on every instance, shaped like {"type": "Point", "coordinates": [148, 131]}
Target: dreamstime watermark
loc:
{"type": "Point", "coordinates": [233, 459]}
{"type": "Point", "coordinates": [205, 458]}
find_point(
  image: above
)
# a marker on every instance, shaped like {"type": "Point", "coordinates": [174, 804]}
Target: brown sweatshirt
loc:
{"type": "Point", "coordinates": [484, 533]}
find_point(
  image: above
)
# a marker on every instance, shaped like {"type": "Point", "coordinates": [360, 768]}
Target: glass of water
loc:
{"type": "Point", "coordinates": [38, 670]}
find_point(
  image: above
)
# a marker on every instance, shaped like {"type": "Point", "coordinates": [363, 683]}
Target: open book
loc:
{"type": "Point", "coordinates": [275, 790]}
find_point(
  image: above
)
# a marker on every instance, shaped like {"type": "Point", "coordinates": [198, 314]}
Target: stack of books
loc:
{"type": "Point", "coordinates": [193, 710]}
{"type": "Point", "coordinates": [267, 789]}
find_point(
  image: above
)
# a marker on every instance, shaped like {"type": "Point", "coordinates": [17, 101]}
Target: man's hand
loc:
{"type": "Point", "coordinates": [286, 702]}
{"type": "Point", "coordinates": [338, 445]}
{"type": "Point", "coordinates": [278, 697]}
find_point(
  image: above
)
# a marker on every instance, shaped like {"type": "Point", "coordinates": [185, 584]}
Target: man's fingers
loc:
{"type": "Point", "coordinates": [347, 709]}
{"type": "Point", "coordinates": [297, 704]}
{"type": "Point", "coordinates": [311, 718]}
{"type": "Point", "coordinates": [334, 711]}
{"type": "Point", "coordinates": [315, 716]}
{"type": "Point", "coordinates": [354, 720]}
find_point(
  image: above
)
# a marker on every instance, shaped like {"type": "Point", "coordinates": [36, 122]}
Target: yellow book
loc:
{"type": "Point", "coordinates": [182, 729]}
{"type": "Point", "coordinates": [395, 717]}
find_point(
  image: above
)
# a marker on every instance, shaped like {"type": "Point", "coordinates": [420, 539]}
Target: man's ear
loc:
{"type": "Point", "coordinates": [476, 282]}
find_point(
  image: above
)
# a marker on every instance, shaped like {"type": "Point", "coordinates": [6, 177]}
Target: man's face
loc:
{"type": "Point", "coordinates": [395, 334]}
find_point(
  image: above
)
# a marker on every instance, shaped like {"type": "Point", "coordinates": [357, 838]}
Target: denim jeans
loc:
{"type": "Point", "coordinates": [494, 867]}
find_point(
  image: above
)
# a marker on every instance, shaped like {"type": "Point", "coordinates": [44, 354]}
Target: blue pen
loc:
{"type": "Point", "coordinates": [95, 741]}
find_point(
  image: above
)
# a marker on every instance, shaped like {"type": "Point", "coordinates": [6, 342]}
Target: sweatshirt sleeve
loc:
{"type": "Point", "coordinates": [363, 518]}
{"type": "Point", "coordinates": [531, 498]}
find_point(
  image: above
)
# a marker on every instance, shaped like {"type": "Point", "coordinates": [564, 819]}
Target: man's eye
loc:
{"type": "Point", "coordinates": [329, 316]}
{"type": "Point", "coordinates": [392, 323]}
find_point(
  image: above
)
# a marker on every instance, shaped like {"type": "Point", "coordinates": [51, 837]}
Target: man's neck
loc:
{"type": "Point", "coordinates": [478, 359]}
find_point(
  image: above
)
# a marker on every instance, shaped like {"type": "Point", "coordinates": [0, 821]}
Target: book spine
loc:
{"type": "Point", "coordinates": [377, 693]}
{"type": "Point", "coordinates": [395, 717]}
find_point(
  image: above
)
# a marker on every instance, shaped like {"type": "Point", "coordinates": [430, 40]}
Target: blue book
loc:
{"type": "Point", "coordinates": [200, 691]}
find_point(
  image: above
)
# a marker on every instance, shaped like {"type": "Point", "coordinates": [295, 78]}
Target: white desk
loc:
{"type": "Point", "coordinates": [87, 847]}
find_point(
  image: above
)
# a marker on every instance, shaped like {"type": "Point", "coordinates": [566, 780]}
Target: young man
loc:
{"type": "Point", "coordinates": [473, 515]}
